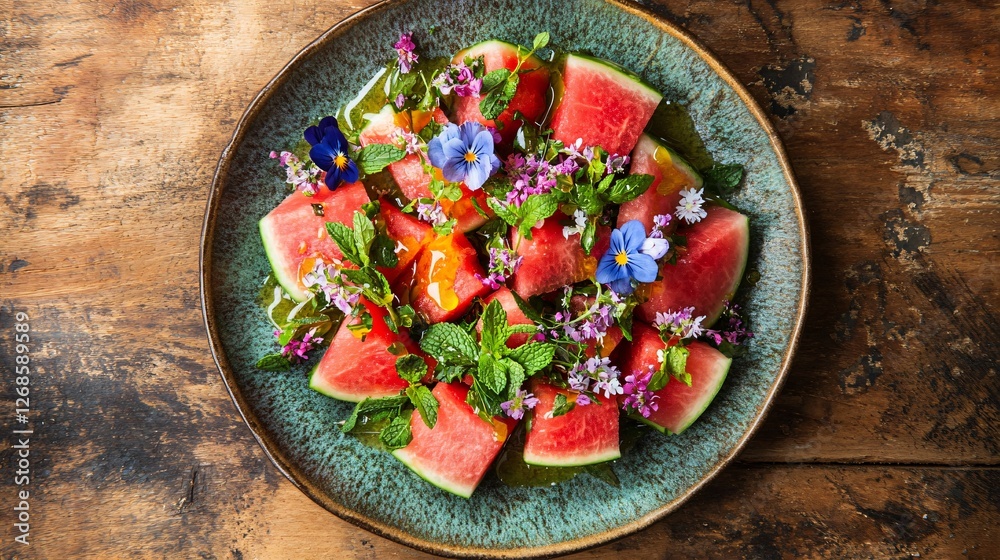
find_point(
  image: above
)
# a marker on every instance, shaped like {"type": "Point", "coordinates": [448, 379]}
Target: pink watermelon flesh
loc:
{"type": "Point", "coordinates": [457, 452]}
{"type": "Point", "coordinates": [530, 99]}
{"type": "Point", "coordinates": [583, 436]}
{"type": "Point", "coordinates": [444, 282]}
{"type": "Point", "coordinates": [409, 172]}
{"type": "Point", "coordinates": [514, 315]}
{"type": "Point", "coordinates": [410, 235]}
{"type": "Point", "coordinates": [603, 105]}
{"type": "Point", "coordinates": [352, 369]}
{"type": "Point", "coordinates": [708, 272]}
{"type": "Point", "coordinates": [293, 235]}
{"type": "Point", "coordinates": [552, 261]}
{"type": "Point", "coordinates": [679, 405]}
{"type": "Point", "coordinates": [671, 174]}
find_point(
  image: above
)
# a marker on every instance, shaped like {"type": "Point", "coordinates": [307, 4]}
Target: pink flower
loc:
{"type": "Point", "coordinates": [404, 48]}
{"type": "Point", "coordinates": [638, 396]}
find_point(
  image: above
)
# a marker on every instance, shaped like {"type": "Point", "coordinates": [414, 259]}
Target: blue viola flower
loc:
{"type": "Point", "coordinates": [329, 152]}
{"type": "Point", "coordinates": [464, 153]}
{"type": "Point", "coordinates": [629, 257]}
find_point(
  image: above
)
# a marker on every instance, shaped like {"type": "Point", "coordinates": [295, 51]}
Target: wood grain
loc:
{"type": "Point", "coordinates": [113, 117]}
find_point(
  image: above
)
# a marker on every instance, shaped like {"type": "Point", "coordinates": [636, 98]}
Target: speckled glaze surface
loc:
{"type": "Point", "coordinates": [297, 427]}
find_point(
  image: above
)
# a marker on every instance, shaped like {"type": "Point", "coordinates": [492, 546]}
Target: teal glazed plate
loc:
{"type": "Point", "coordinates": [297, 427]}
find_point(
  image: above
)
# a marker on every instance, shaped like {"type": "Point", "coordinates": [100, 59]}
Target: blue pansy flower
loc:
{"type": "Point", "coordinates": [631, 256]}
{"type": "Point", "coordinates": [329, 152]}
{"type": "Point", "coordinates": [464, 153]}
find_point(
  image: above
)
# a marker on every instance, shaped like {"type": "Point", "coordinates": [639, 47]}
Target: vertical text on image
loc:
{"type": "Point", "coordinates": [21, 434]}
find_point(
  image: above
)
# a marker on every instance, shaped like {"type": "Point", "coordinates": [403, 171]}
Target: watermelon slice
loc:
{"type": "Point", "coordinates": [409, 173]}
{"type": "Point", "coordinates": [353, 369]}
{"type": "Point", "coordinates": [583, 436]}
{"type": "Point", "coordinates": [552, 261]}
{"type": "Point", "coordinates": [294, 235]}
{"type": "Point", "coordinates": [532, 89]}
{"type": "Point", "coordinates": [514, 315]}
{"type": "Point", "coordinates": [603, 104]}
{"type": "Point", "coordinates": [679, 405]}
{"type": "Point", "coordinates": [444, 282]}
{"type": "Point", "coordinates": [708, 272]}
{"type": "Point", "coordinates": [458, 451]}
{"type": "Point", "coordinates": [410, 235]}
{"type": "Point", "coordinates": [671, 174]}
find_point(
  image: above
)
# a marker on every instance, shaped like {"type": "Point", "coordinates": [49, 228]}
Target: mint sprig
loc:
{"type": "Point", "coordinates": [499, 86]}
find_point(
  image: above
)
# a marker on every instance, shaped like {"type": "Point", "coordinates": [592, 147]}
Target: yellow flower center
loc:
{"type": "Point", "coordinates": [340, 161]}
{"type": "Point", "coordinates": [622, 258]}
{"type": "Point", "coordinates": [470, 156]}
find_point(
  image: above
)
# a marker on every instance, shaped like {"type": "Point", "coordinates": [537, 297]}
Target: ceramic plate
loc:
{"type": "Point", "coordinates": [296, 426]}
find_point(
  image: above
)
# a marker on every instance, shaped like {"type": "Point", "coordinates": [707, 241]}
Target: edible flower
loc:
{"type": "Point", "coordinates": [464, 153]}
{"type": "Point", "coordinates": [503, 264]}
{"type": "Point", "coordinates": [431, 212]}
{"type": "Point", "coordinates": [681, 323]}
{"type": "Point", "coordinates": [638, 397]}
{"type": "Point", "coordinates": [631, 256]}
{"type": "Point", "coordinates": [660, 223]}
{"type": "Point", "coordinates": [579, 223]}
{"type": "Point", "coordinates": [405, 49]}
{"type": "Point", "coordinates": [297, 350]}
{"type": "Point", "coordinates": [460, 78]}
{"type": "Point", "coordinates": [690, 209]}
{"type": "Point", "coordinates": [329, 152]}
{"type": "Point", "coordinates": [515, 407]}
{"type": "Point", "coordinates": [733, 330]}
{"type": "Point", "coordinates": [301, 176]}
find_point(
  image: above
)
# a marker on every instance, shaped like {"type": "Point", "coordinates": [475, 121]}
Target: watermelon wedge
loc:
{"type": "Point", "coordinates": [552, 261]}
{"type": "Point", "coordinates": [708, 272]}
{"type": "Point", "coordinates": [679, 405]}
{"type": "Point", "coordinates": [294, 234]}
{"type": "Point", "coordinates": [531, 98]}
{"type": "Point", "coordinates": [458, 451]}
{"type": "Point", "coordinates": [671, 174]}
{"type": "Point", "coordinates": [353, 369]}
{"type": "Point", "coordinates": [514, 315]}
{"type": "Point", "coordinates": [603, 104]}
{"type": "Point", "coordinates": [444, 282]}
{"type": "Point", "coordinates": [410, 235]}
{"type": "Point", "coordinates": [409, 173]}
{"type": "Point", "coordinates": [583, 436]}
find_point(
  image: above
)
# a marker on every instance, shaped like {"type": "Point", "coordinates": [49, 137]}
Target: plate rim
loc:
{"type": "Point", "coordinates": [286, 468]}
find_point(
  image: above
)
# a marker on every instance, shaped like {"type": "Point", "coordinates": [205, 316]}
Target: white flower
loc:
{"type": "Point", "coordinates": [655, 247]}
{"type": "Point", "coordinates": [690, 209]}
{"type": "Point", "coordinates": [661, 355]}
{"type": "Point", "coordinates": [431, 213]}
{"type": "Point", "coordinates": [580, 219]}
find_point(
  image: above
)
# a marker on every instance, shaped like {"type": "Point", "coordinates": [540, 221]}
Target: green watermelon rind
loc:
{"type": "Point", "coordinates": [290, 285]}
{"type": "Point", "coordinates": [586, 460]}
{"type": "Point", "coordinates": [316, 383]}
{"type": "Point", "coordinates": [678, 161]}
{"type": "Point", "coordinates": [626, 75]}
{"type": "Point", "coordinates": [459, 491]}
{"type": "Point", "coordinates": [696, 414]}
{"type": "Point", "coordinates": [460, 55]}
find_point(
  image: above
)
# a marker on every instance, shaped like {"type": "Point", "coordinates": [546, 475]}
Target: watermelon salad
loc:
{"type": "Point", "coordinates": [497, 255]}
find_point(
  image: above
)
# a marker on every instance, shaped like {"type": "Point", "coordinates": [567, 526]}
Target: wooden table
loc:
{"type": "Point", "coordinates": [884, 442]}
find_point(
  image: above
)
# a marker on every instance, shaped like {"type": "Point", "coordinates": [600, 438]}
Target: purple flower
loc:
{"type": "Point", "coordinates": [582, 400]}
{"type": "Point", "coordinates": [464, 154]}
{"type": "Point", "coordinates": [681, 323]}
{"type": "Point", "coordinates": [301, 176]}
{"type": "Point", "coordinates": [404, 48]}
{"type": "Point", "coordinates": [616, 163]}
{"type": "Point", "coordinates": [625, 259]}
{"type": "Point", "coordinates": [297, 350]}
{"type": "Point", "coordinates": [460, 78]}
{"type": "Point", "coordinates": [638, 396]}
{"type": "Point", "coordinates": [733, 331]}
{"type": "Point", "coordinates": [515, 407]}
{"type": "Point", "coordinates": [503, 264]}
{"type": "Point", "coordinates": [400, 101]}
{"type": "Point", "coordinates": [579, 380]}
{"type": "Point", "coordinates": [529, 176]}
{"type": "Point", "coordinates": [329, 152]}
{"type": "Point", "coordinates": [409, 140]}
{"type": "Point", "coordinates": [431, 212]}
{"type": "Point", "coordinates": [660, 223]}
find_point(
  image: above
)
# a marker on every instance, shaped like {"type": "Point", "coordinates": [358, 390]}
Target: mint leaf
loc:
{"type": "Point", "coordinates": [498, 99]}
{"type": "Point", "coordinates": [425, 403]}
{"type": "Point", "coordinates": [449, 374]}
{"type": "Point", "coordinates": [495, 79]}
{"type": "Point", "coordinates": [485, 405]}
{"type": "Point", "coordinates": [397, 434]}
{"type": "Point", "coordinates": [526, 308]}
{"type": "Point", "coordinates": [533, 356]}
{"type": "Point", "coordinates": [589, 236]}
{"type": "Point", "coordinates": [373, 284]}
{"type": "Point", "coordinates": [495, 328]}
{"type": "Point", "coordinates": [677, 363]}
{"type": "Point", "coordinates": [536, 208]}
{"type": "Point", "coordinates": [628, 188]}
{"type": "Point", "coordinates": [541, 40]}
{"type": "Point", "coordinates": [507, 212]}
{"type": "Point", "coordinates": [376, 157]}
{"type": "Point", "coordinates": [274, 362]}
{"type": "Point", "coordinates": [451, 345]}
{"type": "Point", "coordinates": [384, 251]}
{"type": "Point", "coordinates": [492, 374]}
{"type": "Point", "coordinates": [371, 407]}
{"type": "Point", "coordinates": [364, 234]}
{"type": "Point", "coordinates": [343, 236]}
{"type": "Point", "coordinates": [411, 367]}
{"type": "Point", "coordinates": [724, 178]}
{"type": "Point", "coordinates": [561, 405]}
{"type": "Point", "coordinates": [516, 375]}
